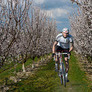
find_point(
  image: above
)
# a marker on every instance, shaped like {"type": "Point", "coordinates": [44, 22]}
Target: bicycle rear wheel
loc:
{"type": "Point", "coordinates": [64, 73]}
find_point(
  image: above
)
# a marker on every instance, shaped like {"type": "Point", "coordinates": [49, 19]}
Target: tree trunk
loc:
{"type": "Point", "coordinates": [23, 67]}
{"type": "Point", "coordinates": [90, 2]}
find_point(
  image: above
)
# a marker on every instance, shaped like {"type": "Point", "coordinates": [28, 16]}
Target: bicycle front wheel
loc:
{"type": "Point", "coordinates": [64, 80]}
{"type": "Point", "coordinates": [61, 79]}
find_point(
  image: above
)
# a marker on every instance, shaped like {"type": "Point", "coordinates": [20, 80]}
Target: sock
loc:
{"type": "Point", "coordinates": [66, 75]}
{"type": "Point", "coordinates": [56, 65]}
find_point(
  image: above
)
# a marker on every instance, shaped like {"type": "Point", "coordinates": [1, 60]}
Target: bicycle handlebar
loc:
{"type": "Point", "coordinates": [61, 53]}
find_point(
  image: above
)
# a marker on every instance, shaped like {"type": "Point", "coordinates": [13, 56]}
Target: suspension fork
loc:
{"type": "Point", "coordinates": [60, 61]}
{"type": "Point", "coordinates": [56, 61]}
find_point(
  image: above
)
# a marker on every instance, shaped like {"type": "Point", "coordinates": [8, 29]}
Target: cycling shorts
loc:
{"type": "Point", "coordinates": [62, 50]}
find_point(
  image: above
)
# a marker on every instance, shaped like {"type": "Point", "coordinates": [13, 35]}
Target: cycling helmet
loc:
{"type": "Point", "coordinates": [65, 30]}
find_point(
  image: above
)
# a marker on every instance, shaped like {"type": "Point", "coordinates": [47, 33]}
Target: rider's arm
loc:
{"type": "Point", "coordinates": [56, 42]}
{"type": "Point", "coordinates": [53, 48]}
{"type": "Point", "coordinates": [71, 46]}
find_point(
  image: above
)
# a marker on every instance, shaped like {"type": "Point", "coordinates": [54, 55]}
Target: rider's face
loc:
{"type": "Point", "coordinates": [65, 34]}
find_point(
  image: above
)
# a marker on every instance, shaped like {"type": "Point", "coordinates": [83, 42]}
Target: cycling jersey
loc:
{"type": "Point", "coordinates": [64, 42]}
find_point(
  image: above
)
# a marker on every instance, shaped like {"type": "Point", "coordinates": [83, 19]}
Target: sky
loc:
{"type": "Point", "coordinates": [58, 10]}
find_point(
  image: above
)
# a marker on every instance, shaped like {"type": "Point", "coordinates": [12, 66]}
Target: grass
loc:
{"type": "Point", "coordinates": [7, 66]}
{"type": "Point", "coordinates": [8, 69]}
{"type": "Point", "coordinates": [79, 80]}
{"type": "Point", "coordinates": [47, 80]}
{"type": "Point", "coordinates": [42, 81]}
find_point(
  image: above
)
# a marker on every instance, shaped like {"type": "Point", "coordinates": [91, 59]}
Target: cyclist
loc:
{"type": "Point", "coordinates": [63, 43]}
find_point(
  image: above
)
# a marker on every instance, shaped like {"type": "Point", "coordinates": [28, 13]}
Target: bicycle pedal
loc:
{"type": "Point", "coordinates": [60, 72]}
{"type": "Point", "coordinates": [56, 70]}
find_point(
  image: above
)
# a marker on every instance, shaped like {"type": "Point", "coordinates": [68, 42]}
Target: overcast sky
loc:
{"type": "Point", "coordinates": [57, 9]}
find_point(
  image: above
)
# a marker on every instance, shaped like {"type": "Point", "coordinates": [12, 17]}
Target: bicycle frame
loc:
{"type": "Point", "coordinates": [62, 71]}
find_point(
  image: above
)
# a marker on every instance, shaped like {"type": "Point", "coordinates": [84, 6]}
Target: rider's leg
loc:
{"type": "Point", "coordinates": [67, 67]}
{"type": "Point", "coordinates": [56, 63]}
{"type": "Point", "coordinates": [67, 64]}
{"type": "Point", "coordinates": [56, 58]}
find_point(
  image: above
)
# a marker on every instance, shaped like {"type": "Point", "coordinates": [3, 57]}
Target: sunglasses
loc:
{"type": "Point", "coordinates": [66, 33]}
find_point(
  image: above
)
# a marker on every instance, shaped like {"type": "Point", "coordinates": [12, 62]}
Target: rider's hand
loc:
{"type": "Point", "coordinates": [53, 54]}
{"type": "Point", "coordinates": [70, 53]}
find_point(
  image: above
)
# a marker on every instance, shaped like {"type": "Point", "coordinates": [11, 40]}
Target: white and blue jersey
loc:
{"type": "Point", "coordinates": [64, 42]}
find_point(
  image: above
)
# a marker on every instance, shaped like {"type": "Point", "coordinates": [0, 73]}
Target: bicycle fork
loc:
{"type": "Point", "coordinates": [56, 64]}
{"type": "Point", "coordinates": [62, 69]}
{"type": "Point", "coordinates": [60, 64]}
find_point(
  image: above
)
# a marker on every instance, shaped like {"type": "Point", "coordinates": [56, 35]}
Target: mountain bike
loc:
{"type": "Point", "coordinates": [62, 72]}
